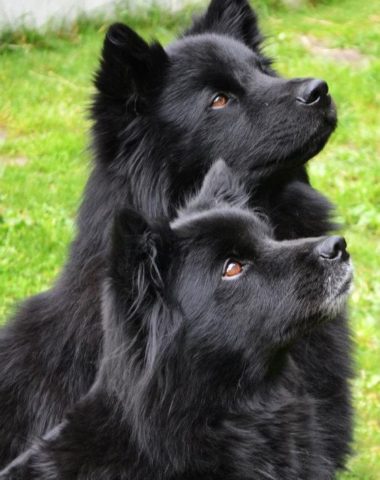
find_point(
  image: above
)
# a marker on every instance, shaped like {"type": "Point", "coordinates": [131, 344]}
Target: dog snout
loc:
{"type": "Point", "coordinates": [332, 249]}
{"type": "Point", "coordinates": [313, 91]}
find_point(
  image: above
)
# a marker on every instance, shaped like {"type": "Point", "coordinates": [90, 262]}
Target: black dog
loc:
{"type": "Point", "coordinates": [198, 379]}
{"type": "Point", "coordinates": [160, 117]}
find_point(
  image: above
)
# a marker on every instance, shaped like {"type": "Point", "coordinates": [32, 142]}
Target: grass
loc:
{"type": "Point", "coordinates": [45, 88]}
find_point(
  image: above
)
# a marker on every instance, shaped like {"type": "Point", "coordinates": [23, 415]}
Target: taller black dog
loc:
{"type": "Point", "coordinates": [160, 118]}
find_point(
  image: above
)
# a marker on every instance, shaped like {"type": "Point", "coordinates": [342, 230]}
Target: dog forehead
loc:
{"type": "Point", "coordinates": [221, 225]}
{"type": "Point", "coordinates": [208, 49]}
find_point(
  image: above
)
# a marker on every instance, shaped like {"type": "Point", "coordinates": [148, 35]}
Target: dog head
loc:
{"type": "Point", "coordinates": [210, 94]}
{"type": "Point", "coordinates": [216, 287]}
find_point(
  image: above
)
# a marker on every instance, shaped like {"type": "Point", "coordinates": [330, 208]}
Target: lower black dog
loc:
{"type": "Point", "coordinates": [197, 379]}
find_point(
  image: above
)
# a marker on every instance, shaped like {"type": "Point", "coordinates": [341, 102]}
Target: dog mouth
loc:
{"type": "Point", "coordinates": [295, 158]}
{"type": "Point", "coordinates": [304, 150]}
{"type": "Point", "coordinates": [325, 305]}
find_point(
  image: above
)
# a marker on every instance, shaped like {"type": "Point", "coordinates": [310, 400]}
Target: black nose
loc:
{"type": "Point", "coordinates": [313, 91]}
{"type": "Point", "coordinates": [333, 248]}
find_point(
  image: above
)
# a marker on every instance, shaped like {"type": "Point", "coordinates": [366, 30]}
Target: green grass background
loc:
{"type": "Point", "coordinates": [45, 86]}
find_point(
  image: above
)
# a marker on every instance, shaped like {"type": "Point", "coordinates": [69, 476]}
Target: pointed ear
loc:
{"type": "Point", "coordinates": [230, 17]}
{"type": "Point", "coordinates": [129, 66]}
{"type": "Point", "coordinates": [137, 318]}
{"type": "Point", "coordinates": [220, 186]}
{"type": "Point", "coordinates": [129, 71]}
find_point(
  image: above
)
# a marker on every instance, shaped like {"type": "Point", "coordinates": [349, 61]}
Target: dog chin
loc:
{"type": "Point", "coordinates": [317, 141]}
{"type": "Point", "coordinates": [319, 138]}
{"type": "Point", "coordinates": [338, 293]}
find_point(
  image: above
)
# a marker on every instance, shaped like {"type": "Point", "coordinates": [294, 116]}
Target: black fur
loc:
{"type": "Point", "coordinates": [155, 135]}
{"type": "Point", "coordinates": [197, 379]}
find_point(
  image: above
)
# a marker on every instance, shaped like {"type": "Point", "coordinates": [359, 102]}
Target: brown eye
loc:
{"type": "Point", "coordinates": [232, 268]}
{"type": "Point", "coordinates": [219, 101]}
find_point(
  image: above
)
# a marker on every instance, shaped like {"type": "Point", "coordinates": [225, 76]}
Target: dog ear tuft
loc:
{"type": "Point", "coordinates": [230, 17]}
